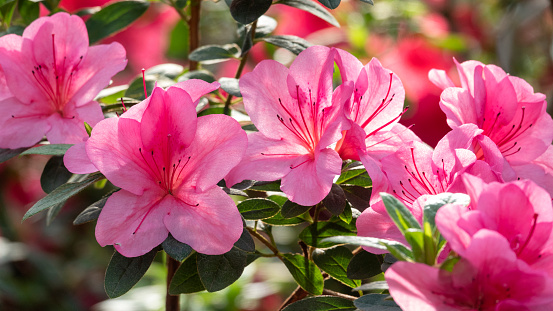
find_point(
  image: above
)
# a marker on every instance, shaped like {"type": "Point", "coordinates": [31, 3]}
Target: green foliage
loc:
{"type": "Point", "coordinates": [313, 8]}
{"type": "Point", "coordinates": [114, 18]}
{"type": "Point", "coordinates": [176, 249]}
{"type": "Point", "coordinates": [54, 174]}
{"type": "Point", "coordinates": [247, 11]}
{"type": "Point", "coordinates": [230, 85]}
{"type": "Point", "coordinates": [28, 10]}
{"type": "Point", "coordinates": [210, 54]}
{"type": "Point", "coordinates": [49, 149]}
{"type": "Point", "coordinates": [93, 211]}
{"type": "Point", "coordinates": [335, 201]}
{"type": "Point", "coordinates": [322, 303]}
{"type": "Point", "coordinates": [401, 216]}
{"type": "Point", "coordinates": [355, 177]}
{"type": "Point", "coordinates": [6, 154]}
{"type": "Point", "coordinates": [219, 271]}
{"type": "Point", "coordinates": [335, 261]}
{"type": "Point", "coordinates": [305, 272]}
{"type": "Point", "coordinates": [258, 208]}
{"type": "Point", "coordinates": [364, 265]}
{"type": "Point", "coordinates": [124, 272]}
{"type": "Point", "coordinates": [291, 209]}
{"type": "Point", "coordinates": [62, 193]}
{"type": "Point", "coordinates": [376, 302]}
{"type": "Point", "coordinates": [331, 4]}
{"type": "Point", "coordinates": [314, 234]}
{"type": "Point", "coordinates": [186, 279]}
{"type": "Point", "coordinates": [136, 88]}
{"type": "Point", "coordinates": [292, 43]}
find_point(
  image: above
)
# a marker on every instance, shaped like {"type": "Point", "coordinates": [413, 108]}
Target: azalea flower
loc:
{"type": "Point", "coordinates": [489, 277]}
{"type": "Point", "coordinates": [520, 211]}
{"type": "Point", "coordinates": [167, 163]}
{"type": "Point", "coordinates": [299, 117]}
{"type": "Point", "coordinates": [53, 76]}
{"type": "Point", "coordinates": [509, 113]}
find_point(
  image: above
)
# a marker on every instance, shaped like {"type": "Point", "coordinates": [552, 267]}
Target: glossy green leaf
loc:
{"type": "Point", "coordinates": [415, 238]}
{"type": "Point", "coordinates": [29, 10]}
{"type": "Point", "coordinates": [401, 216]}
{"type": "Point", "coordinates": [247, 11]}
{"type": "Point", "coordinates": [314, 234]}
{"type": "Point", "coordinates": [378, 285]}
{"type": "Point", "coordinates": [267, 185]}
{"type": "Point", "coordinates": [305, 272]}
{"type": "Point", "coordinates": [313, 8]}
{"type": "Point", "coordinates": [368, 1]}
{"type": "Point", "coordinates": [435, 202]}
{"type": "Point", "coordinates": [186, 279]}
{"type": "Point", "coordinates": [376, 302]}
{"type": "Point", "coordinates": [293, 44]}
{"type": "Point", "coordinates": [230, 85]}
{"type": "Point", "coordinates": [278, 219]}
{"type": "Point", "coordinates": [181, 4]}
{"type": "Point", "coordinates": [114, 18]}
{"type": "Point", "coordinates": [364, 265]}
{"type": "Point", "coordinates": [197, 74]}
{"type": "Point", "coordinates": [335, 261]}
{"type": "Point", "coordinates": [331, 4]}
{"type": "Point", "coordinates": [7, 8]}
{"type": "Point", "coordinates": [136, 88]}
{"type": "Point", "coordinates": [355, 177]}
{"type": "Point", "coordinates": [54, 174]}
{"type": "Point", "coordinates": [167, 70]}
{"type": "Point", "coordinates": [258, 208]}
{"type": "Point", "coordinates": [49, 149]}
{"type": "Point", "coordinates": [61, 194]}
{"type": "Point", "coordinates": [335, 201]}
{"type": "Point", "coordinates": [397, 249]}
{"type": "Point", "coordinates": [219, 271]}
{"type": "Point", "coordinates": [359, 197]}
{"type": "Point", "coordinates": [291, 209]}
{"type": "Point", "coordinates": [347, 215]}
{"type": "Point", "coordinates": [322, 303]}
{"type": "Point", "coordinates": [15, 29]}
{"type": "Point", "coordinates": [124, 272]}
{"type": "Point", "coordinates": [176, 249]}
{"type": "Point", "coordinates": [6, 154]}
{"type": "Point", "coordinates": [245, 242]}
{"type": "Point", "coordinates": [210, 54]}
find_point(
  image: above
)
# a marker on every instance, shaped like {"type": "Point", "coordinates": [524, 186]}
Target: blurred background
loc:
{"type": "Point", "coordinates": [61, 267]}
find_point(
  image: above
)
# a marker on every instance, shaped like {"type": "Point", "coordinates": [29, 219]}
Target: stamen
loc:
{"type": "Point", "coordinates": [293, 167]}
{"type": "Point", "coordinates": [123, 103]}
{"type": "Point", "coordinates": [534, 223]}
{"type": "Point", "coordinates": [144, 83]}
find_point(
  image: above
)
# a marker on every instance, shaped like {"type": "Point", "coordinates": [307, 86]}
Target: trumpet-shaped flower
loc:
{"type": "Point", "coordinates": [167, 163]}
{"type": "Point", "coordinates": [520, 211]}
{"type": "Point", "coordinates": [489, 278]}
{"type": "Point", "coordinates": [298, 116]}
{"type": "Point", "coordinates": [53, 76]}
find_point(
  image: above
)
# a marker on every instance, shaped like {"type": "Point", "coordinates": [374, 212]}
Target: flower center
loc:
{"type": "Point", "coordinates": [506, 142]}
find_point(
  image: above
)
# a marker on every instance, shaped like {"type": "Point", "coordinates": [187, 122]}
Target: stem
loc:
{"type": "Point", "coordinates": [194, 27]}
{"type": "Point", "coordinates": [263, 240]}
{"type": "Point", "coordinates": [296, 295]}
{"type": "Point", "coordinates": [171, 301]}
{"type": "Point", "coordinates": [240, 69]}
{"type": "Point", "coordinates": [333, 293]}
{"type": "Point", "coordinates": [315, 220]}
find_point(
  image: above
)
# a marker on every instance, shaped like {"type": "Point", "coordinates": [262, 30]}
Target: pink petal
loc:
{"type": "Point", "coordinates": [265, 159]}
{"type": "Point", "coordinates": [310, 181]}
{"type": "Point", "coordinates": [334, 121]}
{"type": "Point", "coordinates": [197, 88]}
{"type": "Point", "coordinates": [133, 224]}
{"type": "Point", "coordinates": [447, 220]}
{"type": "Point", "coordinates": [4, 90]}
{"type": "Point", "coordinates": [219, 145]}
{"type": "Point", "coordinates": [348, 64]}
{"type": "Point", "coordinates": [458, 106]}
{"type": "Point", "coordinates": [26, 128]}
{"type": "Point", "coordinates": [76, 160]}
{"type": "Point", "coordinates": [378, 225]}
{"type": "Point", "coordinates": [440, 79]}
{"type": "Point", "coordinates": [210, 228]}
{"type": "Point", "coordinates": [114, 149]}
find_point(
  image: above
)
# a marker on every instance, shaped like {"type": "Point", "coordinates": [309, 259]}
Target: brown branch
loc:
{"type": "Point", "coordinates": [194, 27]}
{"type": "Point", "coordinates": [296, 295]}
{"type": "Point", "coordinates": [337, 294]}
{"type": "Point", "coordinates": [171, 301]}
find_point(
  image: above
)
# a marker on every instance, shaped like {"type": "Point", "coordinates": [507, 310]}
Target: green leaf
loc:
{"type": "Point", "coordinates": [123, 272]}
{"type": "Point", "coordinates": [368, 1]}
{"type": "Point", "coordinates": [62, 193]}
{"type": "Point", "coordinates": [49, 149]}
{"type": "Point", "coordinates": [93, 211]}
{"type": "Point", "coordinates": [6, 10]}
{"type": "Point", "coordinates": [197, 74]}
{"type": "Point", "coordinates": [29, 10]}
{"type": "Point", "coordinates": [322, 303]}
{"type": "Point", "coordinates": [335, 201]}
{"type": "Point", "coordinates": [397, 249]}
{"type": "Point", "coordinates": [53, 212]}
{"type": "Point", "coordinates": [355, 177]}
{"type": "Point", "coordinates": [313, 8]}
{"type": "Point", "coordinates": [335, 261]}
{"type": "Point", "coordinates": [176, 249]}
{"type": "Point", "coordinates": [15, 29]}
{"type": "Point", "coordinates": [181, 4]}
{"type": "Point", "coordinates": [114, 18]}
{"type": "Point", "coordinates": [305, 272]}
{"type": "Point", "coordinates": [167, 70]}
{"type": "Point", "coordinates": [314, 234]}
{"type": "Point", "coordinates": [265, 25]}
{"type": "Point", "coordinates": [347, 215]}
{"type": "Point", "coordinates": [435, 202]}
{"type": "Point", "coordinates": [219, 271]}
{"type": "Point", "coordinates": [291, 209]}
{"type": "Point", "coordinates": [247, 11]}
{"type": "Point", "coordinates": [331, 4]}
{"type": "Point", "coordinates": [54, 174]}
{"type": "Point", "coordinates": [364, 265]}
{"type": "Point", "coordinates": [378, 285]}
{"type": "Point", "coordinates": [136, 88]}
{"type": "Point", "coordinates": [401, 216]}
{"type": "Point", "coordinates": [293, 44]}
{"type": "Point", "coordinates": [212, 110]}
{"type": "Point", "coordinates": [6, 154]}
{"type": "Point", "coordinates": [230, 85]}
{"type": "Point", "coordinates": [415, 238]}
{"type": "Point", "coordinates": [358, 196]}
{"type": "Point", "coordinates": [88, 129]}
{"type": "Point", "coordinates": [278, 219]}
{"type": "Point", "coordinates": [211, 54]}
{"type": "Point", "coordinates": [258, 208]}
{"type": "Point", "coordinates": [245, 242]}
{"type": "Point", "coordinates": [376, 302]}
{"type": "Point", "coordinates": [267, 185]}
{"type": "Point", "coordinates": [186, 279]}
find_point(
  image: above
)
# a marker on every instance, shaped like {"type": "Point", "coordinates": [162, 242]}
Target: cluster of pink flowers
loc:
{"type": "Point", "coordinates": [167, 161]}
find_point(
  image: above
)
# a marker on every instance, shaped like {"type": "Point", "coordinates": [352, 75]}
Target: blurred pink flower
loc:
{"type": "Point", "coordinates": [53, 75]}
{"type": "Point", "coordinates": [167, 162]}
{"type": "Point", "coordinates": [298, 116]}
{"type": "Point", "coordinates": [488, 278]}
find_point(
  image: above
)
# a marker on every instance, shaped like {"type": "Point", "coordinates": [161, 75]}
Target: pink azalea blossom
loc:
{"type": "Point", "coordinates": [167, 163]}
{"type": "Point", "coordinates": [509, 113]}
{"type": "Point", "coordinates": [298, 116]}
{"type": "Point", "coordinates": [489, 278]}
{"type": "Point", "coordinates": [520, 211]}
{"type": "Point", "coordinates": [53, 76]}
